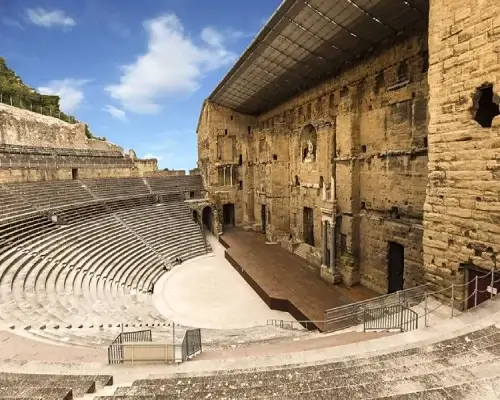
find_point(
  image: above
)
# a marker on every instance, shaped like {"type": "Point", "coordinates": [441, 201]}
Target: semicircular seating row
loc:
{"type": "Point", "coordinates": [95, 270]}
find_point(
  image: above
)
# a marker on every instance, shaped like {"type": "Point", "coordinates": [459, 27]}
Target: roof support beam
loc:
{"type": "Point", "coordinates": [317, 11]}
{"type": "Point", "coordinates": [353, 2]}
{"type": "Point", "coordinates": [409, 4]}
{"type": "Point", "coordinates": [316, 36]}
{"type": "Point", "coordinates": [275, 63]}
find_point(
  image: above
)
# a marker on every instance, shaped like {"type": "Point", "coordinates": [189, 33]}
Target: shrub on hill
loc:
{"type": "Point", "coordinates": [15, 92]}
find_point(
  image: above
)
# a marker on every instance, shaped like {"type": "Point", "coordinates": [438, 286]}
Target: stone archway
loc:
{"type": "Point", "coordinates": [308, 143]}
{"type": "Point", "coordinates": [207, 218]}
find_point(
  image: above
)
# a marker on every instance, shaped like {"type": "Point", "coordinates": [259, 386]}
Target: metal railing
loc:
{"type": "Point", "coordinates": [115, 349]}
{"type": "Point", "coordinates": [350, 315]}
{"type": "Point", "coordinates": [191, 344]}
{"type": "Point", "coordinates": [392, 317]}
{"type": "Point", "coordinates": [139, 347]}
{"type": "Point", "coordinates": [307, 324]}
{"type": "Point", "coordinates": [457, 297]}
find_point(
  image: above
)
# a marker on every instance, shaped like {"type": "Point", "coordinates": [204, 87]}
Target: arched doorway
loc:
{"type": "Point", "coordinates": [207, 218]}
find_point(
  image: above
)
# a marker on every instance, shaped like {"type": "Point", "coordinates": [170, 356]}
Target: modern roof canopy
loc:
{"type": "Point", "coordinates": [306, 41]}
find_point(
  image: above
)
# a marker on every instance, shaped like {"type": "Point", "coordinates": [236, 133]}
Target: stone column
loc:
{"type": "Point", "coordinates": [231, 178]}
{"type": "Point", "coordinates": [325, 243]}
{"type": "Point", "coordinates": [224, 175]}
{"type": "Point", "coordinates": [332, 248]}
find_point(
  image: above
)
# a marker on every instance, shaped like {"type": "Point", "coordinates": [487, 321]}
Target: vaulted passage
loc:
{"type": "Point", "coordinates": [207, 217]}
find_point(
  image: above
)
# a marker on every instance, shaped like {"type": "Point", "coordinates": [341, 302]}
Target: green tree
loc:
{"type": "Point", "coordinates": [14, 91]}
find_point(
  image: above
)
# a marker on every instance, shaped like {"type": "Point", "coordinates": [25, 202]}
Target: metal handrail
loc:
{"type": "Point", "coordinates": [391, 317]}
{"type": "Point", "coordinates": [289, 324]}
{"type": "Point", "coordinates": [353, 314]}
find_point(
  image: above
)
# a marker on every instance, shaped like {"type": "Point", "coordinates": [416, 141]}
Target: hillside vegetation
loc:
{"type": "Point", "coordinates": [15, 92]}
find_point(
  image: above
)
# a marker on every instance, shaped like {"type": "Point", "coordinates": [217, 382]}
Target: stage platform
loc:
{"type": "Point", "coordinates": [284, 280]}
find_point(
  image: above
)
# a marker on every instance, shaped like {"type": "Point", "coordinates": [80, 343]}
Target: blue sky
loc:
{"type": "Point", "coordinates": [136, 71]}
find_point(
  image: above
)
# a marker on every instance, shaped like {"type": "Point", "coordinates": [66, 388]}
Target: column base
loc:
{"type": "Point", "coordinates": [329, 276]}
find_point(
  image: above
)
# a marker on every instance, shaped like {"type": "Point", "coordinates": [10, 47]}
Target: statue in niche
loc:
{"type": "Point", "coordinates": [310, 152]}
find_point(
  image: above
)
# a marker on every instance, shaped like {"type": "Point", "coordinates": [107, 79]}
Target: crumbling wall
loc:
{"type": "Point", "coordinates": [148, 166]}
{"type": "Point", "coordinates": [172, 172]}
{"type": "Point", "coordinates": [462, 208]}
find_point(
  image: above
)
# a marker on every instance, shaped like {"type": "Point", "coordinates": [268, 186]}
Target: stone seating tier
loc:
{"type": "Point", "coordinates": [50, 387]}
{"type": "Point", "coordinates": [21, 198]}
{"type": "Point", "coordinates": [116, 187]}
{"type": "Point", "coordinates": [18, 231]}
{"type": "Point", "coordinates": [11, 206]}
{"type": "Point", "coordinates": [175, 183]}
{"type": "Point", "coordinates": [98, 268]}
{"type": "Point", "coordinates": [465, 366]}
{"type": "Point", "coordinates": [13, 156]}
{"type": "Point", "coordinates": [53, 194]}
{"type": "Point", "coordinates": [16, 149]}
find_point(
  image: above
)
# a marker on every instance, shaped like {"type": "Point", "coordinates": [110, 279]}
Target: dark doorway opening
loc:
{"type": "Point", "coordinates": [309, 226]}
{"type": "Point", "coordinates": [207, 218]}
{"type": "Point", "coordinates": [485, 289]}
{"type": "Point", "coordinates": [263, 215]}
{"type": "Point", "coordinates": [395, 267]}
{"type": "Point", "coordinates": [228, 214]}
{"type": "Point", "coordinates": [195, 216]}
{"type": "Point", "coordinates": [74, 173]}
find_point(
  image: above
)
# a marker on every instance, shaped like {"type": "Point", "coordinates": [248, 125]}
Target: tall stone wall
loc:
{"type": "Point", "coordinates": [26, 128]}
{"type": "Point", "coordinates": [35, 147]}
{"type": "Point", "coordinates": [178, 172]}
{"type": "Point", "coordinates": [367, 129]}
{"type": "Point", "coordinates": [462, 208]}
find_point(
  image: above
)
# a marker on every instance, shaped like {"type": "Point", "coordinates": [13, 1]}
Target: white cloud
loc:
{"type": "Point", "coordinates": [172, 65]}
{"type": "Point", "coordinates": [115, 112]}
{"type": "Point", "coordinates": [149, 155]}
{"type": "Point", "coordinates": [12, 23]}
{"type": "Point", "coordinates": [69, 90]}
{"type": "Point", "coordinates": [48, 19]}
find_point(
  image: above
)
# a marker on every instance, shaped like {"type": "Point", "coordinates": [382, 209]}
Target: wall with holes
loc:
{"type": "Point", "coordinates": [367, 128]}
{"type": "Point", "coordinates": [462, 209]}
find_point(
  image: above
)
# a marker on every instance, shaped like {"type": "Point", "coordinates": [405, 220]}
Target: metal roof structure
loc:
{"type": "Point", "coordinates": [306, 41]}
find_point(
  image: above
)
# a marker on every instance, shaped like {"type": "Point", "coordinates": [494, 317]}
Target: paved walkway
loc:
{"type": "Point", "coordinates": [284, 280]}
{"type": "Point", "coordinates": [19, 348]}
{"type": "Point", "coordinates": [293, 346]}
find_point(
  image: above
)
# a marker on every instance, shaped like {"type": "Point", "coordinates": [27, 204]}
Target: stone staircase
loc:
{"type": "Point", "coordinates": [459, 359]}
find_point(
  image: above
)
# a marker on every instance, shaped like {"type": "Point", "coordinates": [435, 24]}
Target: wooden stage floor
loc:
{"type": "Point", "coordinates": [283, 280]}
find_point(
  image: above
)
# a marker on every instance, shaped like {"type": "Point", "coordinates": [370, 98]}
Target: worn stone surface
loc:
{"type": "Point", "coordinates": [462, 213]}
{"type": "Point", "coordinates": [35, 147]}
{"type": "Point", "coordinates": [350, 150]}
